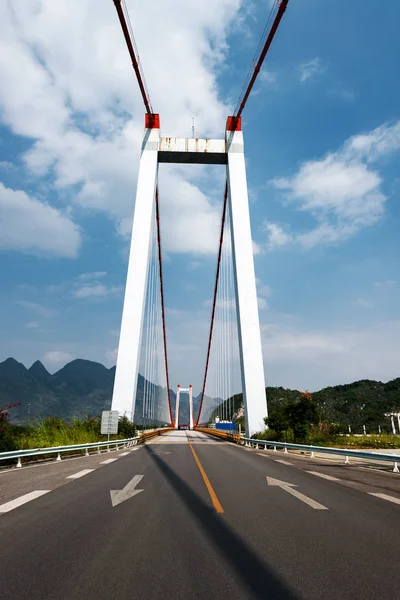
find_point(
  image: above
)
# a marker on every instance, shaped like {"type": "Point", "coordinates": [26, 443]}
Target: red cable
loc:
{"type": "Point", "coordinates": [281, 9]}
{"type": "Point", "coordinates": [162, 303]}
{"type": "Point", "coordinates": [221, 239]}
{"type": "Point", "coordinates": [135, 62]}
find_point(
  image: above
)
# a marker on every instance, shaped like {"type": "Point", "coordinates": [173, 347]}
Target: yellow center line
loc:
{"type": "Point", "coordinates": [210, 489]}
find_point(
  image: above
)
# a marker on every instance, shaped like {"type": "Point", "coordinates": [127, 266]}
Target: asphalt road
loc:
{"type": "Point", "coordinates": [207, 524]}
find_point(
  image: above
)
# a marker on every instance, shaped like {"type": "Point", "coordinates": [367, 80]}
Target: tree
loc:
{"type": "Point", "coordinates": [301, 415]}
{"type": "Point", "coordinates": [277, 419]}
{"type": "Point", "coordinates": [7, 443]}
{"type": "Point", "coordinates": [126, 428]}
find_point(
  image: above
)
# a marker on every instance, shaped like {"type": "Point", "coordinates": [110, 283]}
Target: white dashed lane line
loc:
{"type": "Point", "coordinates": [323, 476]}
{"type": "Point", "coordinates": [283, 462]}
{"type": "Point", "coordinates": [22, 500]}
{"type": "Point", "coordinates": [108, 461]}
{"type": "Point", "coordinates": [124, 454]}
{"type": "Point", "coordinates": [80, 474]}
{"type": "Point", "coordinates": [385, 497]}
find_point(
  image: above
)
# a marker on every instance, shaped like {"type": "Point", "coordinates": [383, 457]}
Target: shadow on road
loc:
{"type": "Point", "coordinates": [255, 574]}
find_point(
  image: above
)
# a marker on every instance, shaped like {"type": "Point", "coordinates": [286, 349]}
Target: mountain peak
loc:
{"type": "Point", "coordinates": [39, 371]}
{"type": "Point", "coordinates": [11, 369]}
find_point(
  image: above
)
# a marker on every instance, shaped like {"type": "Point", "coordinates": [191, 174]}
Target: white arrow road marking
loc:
{"type": "Point", "coordinates": [386, 497]}
{"type": "Point", "coordinates": [118, 496]}
{"type": "Point", "coordinates": [323, 476]}
{"type": "Point", "coordinates": [288, 487]}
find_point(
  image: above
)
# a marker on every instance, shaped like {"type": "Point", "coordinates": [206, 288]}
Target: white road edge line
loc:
{"type": "Point", "coordinates": [383, 496]}
{"type": "Point", "coordinates": [108, 461]}
{"type": "Point", "coordinates": [323, 476]}
{"type": "Point", "coordinates": [283, 462]}
{"type": "Point", "coordinates": [22, 500]}
{"type": "Point", "coordinates": [80, 474]}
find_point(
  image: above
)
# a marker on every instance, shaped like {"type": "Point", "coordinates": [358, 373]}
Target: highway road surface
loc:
{"type": "Point", "coordinates": [187, 516]}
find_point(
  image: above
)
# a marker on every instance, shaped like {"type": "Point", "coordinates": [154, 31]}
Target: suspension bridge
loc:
{"type": "Point", "coordinates": [234, 330]}
{"type": "Point", "coordinates": [190, 514]}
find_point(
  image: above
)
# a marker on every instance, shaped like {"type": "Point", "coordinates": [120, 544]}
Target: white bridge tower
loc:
{"type": "Point", "coordinates": [228, 152]}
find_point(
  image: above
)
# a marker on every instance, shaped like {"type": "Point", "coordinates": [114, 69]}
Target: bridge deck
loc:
{"type": "Point", "coordinates": [169, 540]}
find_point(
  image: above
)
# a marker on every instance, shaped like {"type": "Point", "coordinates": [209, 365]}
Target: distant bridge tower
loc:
{"type": "Point", "coordinates": [228, 152]}
{"type": "Point", "coordinates": [188, 390]}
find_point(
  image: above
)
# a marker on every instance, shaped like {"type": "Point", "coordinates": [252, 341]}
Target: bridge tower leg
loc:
{"type": "Point", "coordinates": [250, 348]}
{"type": "Point", "coordinates": [190, 406]}
{"type": "Point", "coordinates": [178, 393]}
{"type": "Point", "coordinates": [126, 375]}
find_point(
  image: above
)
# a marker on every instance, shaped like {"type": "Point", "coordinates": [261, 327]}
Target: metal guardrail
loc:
{"type": "Point", "coordinates": [347, 453]}
{"type": "Point", "coordinates": [127, 442]}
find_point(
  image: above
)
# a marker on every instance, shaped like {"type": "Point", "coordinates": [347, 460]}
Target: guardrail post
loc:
{"type": "Point", "coordinates": [108, 448]}
{"type": "Point", "coordinates": [86, 452]}
{"type": "Point", "coordinates": [395, 468]}
{"type": "Point", "coordinates": [275, 450]}
{"type": "Point", "coordinates": [19, 463]}
{"type": "Point", "coordinates": [285, 450]}
{"type": "Point", "coordinates": [346, 460]}
{"type": "Point", "coordinates": [58, 456]}
{"type": "Point", "coordinates": [312, 454]}
{"type": "Point", "coordinates": [98, 449]}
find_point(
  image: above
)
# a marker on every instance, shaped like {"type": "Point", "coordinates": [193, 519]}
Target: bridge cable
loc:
{"type": "Point", "coordinates": [164, 328]}
{"type": "Point", "coordinates": [210, 335]}
{"type": "Point", "coordinates": [260, 54]}
{"type": "Point", "coordinates": [133, 52]}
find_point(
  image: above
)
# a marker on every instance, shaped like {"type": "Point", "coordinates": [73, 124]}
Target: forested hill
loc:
{"type": "Point", "coordinates": [83, 387]}
{"type": "Point", "coordinates": [360, 403]}
{"type": "Point", "coordinates": [79, 389]}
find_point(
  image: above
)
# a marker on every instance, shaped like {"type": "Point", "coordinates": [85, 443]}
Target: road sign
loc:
{"type": "Point", "coordinates": [109, 421]}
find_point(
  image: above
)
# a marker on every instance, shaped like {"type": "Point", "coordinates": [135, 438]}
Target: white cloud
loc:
{"type": "Point", "coordinates": [193, 265]}
{"type": "Point", "coordinates": [257, 249]}
{"type": "Point", "coordinates": [276, 235]}
{"type": "Point", "coordinates": [33, 324]}
{"type": "Point", "coordinates": [31, 226]}
{"type": "Point", "coordinates": [94, 275]}
{"type": "Point", "coordinates": [40, 309]}
{"type": "Point", "coordinates": [263, 292]}
{"type": "Point", "coordinates": [57, 358]}
{"type": "Point", "coordinates": [387, 283]}
{"type": "Point", "coordinates": [363, 302]}
{"type": "Point", "coordinates": [316, 358]}
{"type": "Point", "coordinates": [263, 289]}
{"type": "Point", "coordinates": [311, 69]}
{"type": "Point", "coordinates": [6, 165]}
{"type": "Point", "coordinates": [375, 144]}
{"type": "Point", "coordinates": [97, 290]}
{"type": "Point", "coordinates": [262, 303]}
{"type": "Point", "coordinates": [343, 93]}
{"type": "Point", "coordinates": [79, 103]}
{"type": "Point", "coordinates": [268, 78]}
{"type": "Point", "coordinates": [111, 356]}
{"type": "Point", "coordinates": [341, 191]}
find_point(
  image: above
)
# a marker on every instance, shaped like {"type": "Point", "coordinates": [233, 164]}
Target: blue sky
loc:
{"type": "Point", "coordinates": [322, 139]}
